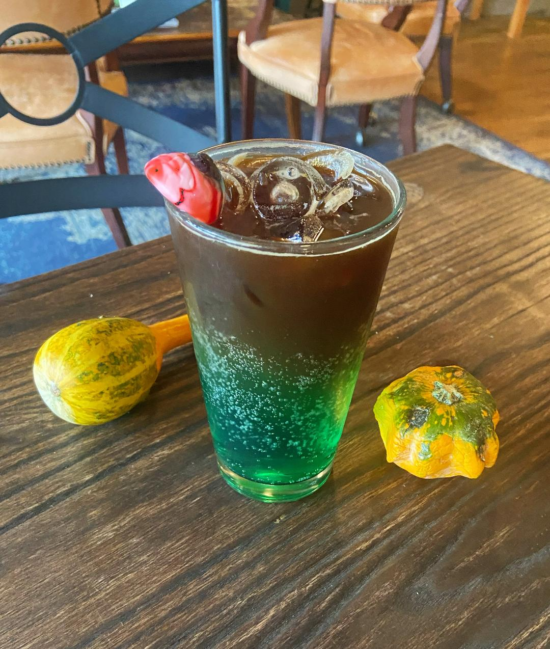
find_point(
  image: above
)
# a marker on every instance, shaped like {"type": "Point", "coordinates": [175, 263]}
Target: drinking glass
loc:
{"type": "Point", "coordinates": [279, 331]}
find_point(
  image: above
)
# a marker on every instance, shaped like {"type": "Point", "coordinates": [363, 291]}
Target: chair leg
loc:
{"type": "Point", "coordinates": [518, 19]}
{"type": "Point", "coordinates": [320, 115]}
{"type": "Point", "coordinates": [248, 96]}
{"type": "Point", "coordinates": [476, 7]}
{"type": "Point", "coordinates": [112, 216]}
{"type": "Point", "coordinates": [406, 124]}
{"type": "Point", "coordinates": [119, 143]}
{"type": "Point", "coordinates": [445, 73]}
{"type": "Point", "coordinates": [293, 117]}
{"type": "Point", "coordinates": [363, 122]}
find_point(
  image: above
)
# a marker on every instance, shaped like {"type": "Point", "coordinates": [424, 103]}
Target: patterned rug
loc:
{"type": "Point", "coordinates": [30, 245]}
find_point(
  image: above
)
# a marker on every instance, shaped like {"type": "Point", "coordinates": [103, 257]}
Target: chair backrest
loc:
{"type": "Point", "coordinates": [67, 16]}
{"type": "Point", "coordinates": [397, 14]}
{"type": "Point", "coordinates": [398, 11]}
{"type": "Point", "coordinates": [86, 46]}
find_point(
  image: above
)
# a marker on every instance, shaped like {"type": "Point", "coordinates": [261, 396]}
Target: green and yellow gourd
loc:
{"type": "Point", "coordinates": [97, 370]}
{"type": "Point", "coordinates": [438, 422]}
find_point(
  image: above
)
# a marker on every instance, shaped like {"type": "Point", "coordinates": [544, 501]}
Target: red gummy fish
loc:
{"type": "Point", "coordinates": [192, 182]}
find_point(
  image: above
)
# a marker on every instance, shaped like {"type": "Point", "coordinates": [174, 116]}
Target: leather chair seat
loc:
{"type": "Point", "coordinates": [67, 17]}
{"type": "Point", "coordinates": [417, 23]}
{"type": "Point", "coordinates": [368, 62]}
{"type": "Point", "coordinates": [25, 145]}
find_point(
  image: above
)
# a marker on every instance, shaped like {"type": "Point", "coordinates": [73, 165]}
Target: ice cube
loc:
{"type": "Point", "coordinates": [340, 163]}
{"type": "Point", "coordinates": [305, 230]}
{"type": "Point", "coordinates": [312, 228]}
{"type": "Point", "coordinates": [283, 189]}
{"type": "Point", "coordinates": [286, 230]}
{"type": "Point", "coordinates": [363, 185]}
{"type": "Point", "coordinates": [339, 195]}
{"type": "Point", "coordinates": [248, 160]}
{"type": "Point", "coordinates": [237, 187]}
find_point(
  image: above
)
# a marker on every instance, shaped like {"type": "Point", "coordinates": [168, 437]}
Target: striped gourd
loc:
{"type": "Point", "coordinates": [97, 370]}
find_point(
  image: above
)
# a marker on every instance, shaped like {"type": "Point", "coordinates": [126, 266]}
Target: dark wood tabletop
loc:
{"type": "Point", "coordinates": [125, 535]}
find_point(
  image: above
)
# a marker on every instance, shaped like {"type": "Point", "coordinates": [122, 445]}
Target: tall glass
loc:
{"type": "Point", "coordinates": [279, 330]}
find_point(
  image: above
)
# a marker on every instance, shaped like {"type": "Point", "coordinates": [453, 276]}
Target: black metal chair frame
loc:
{"type": "Point", "coordinates": [86, 46]}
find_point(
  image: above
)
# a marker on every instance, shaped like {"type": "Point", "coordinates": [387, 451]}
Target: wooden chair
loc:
{"type": "Point", "coordinates": [85, 46]}
{"type": "Point", "coordinates": [82, 138]}
{"type": "Point", "coordinates": [330, 61]}
{"type": "Point", "coordinates": [417, 25]}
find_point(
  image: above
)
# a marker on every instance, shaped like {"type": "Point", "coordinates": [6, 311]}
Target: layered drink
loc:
{"type": "Point", "coordinates": [281, 291]}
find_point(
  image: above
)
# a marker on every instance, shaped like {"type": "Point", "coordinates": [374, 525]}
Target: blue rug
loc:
{"type": "Point", "coordinates": [35, 244]}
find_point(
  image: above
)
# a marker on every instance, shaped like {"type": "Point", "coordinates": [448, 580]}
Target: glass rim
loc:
{"type": "Point", "coordinates": [286, 248]}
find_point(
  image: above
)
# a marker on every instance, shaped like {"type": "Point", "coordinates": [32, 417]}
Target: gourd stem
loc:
{"type": "Point", "coordinates": [171, 333]}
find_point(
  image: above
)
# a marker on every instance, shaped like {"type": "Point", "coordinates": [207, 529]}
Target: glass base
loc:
{"type": "Point", "coordinates": [274, 493]}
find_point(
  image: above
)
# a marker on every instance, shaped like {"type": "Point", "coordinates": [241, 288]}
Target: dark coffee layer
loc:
{"type": "Point", "coordinates": [369, 204]}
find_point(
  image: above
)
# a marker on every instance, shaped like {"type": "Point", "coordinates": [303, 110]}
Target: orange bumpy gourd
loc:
{"type": "Point", "coordinates": [438, 422]}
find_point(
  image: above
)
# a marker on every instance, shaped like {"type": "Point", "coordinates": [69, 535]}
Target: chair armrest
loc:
{"type": "Point", "coordinates": [257, 27]}
{"type": "Point", "coordinates": [427, 51]}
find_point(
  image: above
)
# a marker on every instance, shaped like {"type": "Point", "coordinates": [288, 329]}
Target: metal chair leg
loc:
{"type": "Point", "coordinates": [221, 70]}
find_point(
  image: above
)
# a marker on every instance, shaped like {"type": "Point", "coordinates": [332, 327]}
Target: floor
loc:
{"type": "Point", "coordinates": [501, 84]}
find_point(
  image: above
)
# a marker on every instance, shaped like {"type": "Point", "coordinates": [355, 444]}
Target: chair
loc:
{"type": "Point", "coordinates": [81, 138]}
{"type": "Point", "coordinates": [417, 25]}
{"type": "Point", "coordinates": [330, 61]}
{"type": "Point", "coordinates": [85, 46]}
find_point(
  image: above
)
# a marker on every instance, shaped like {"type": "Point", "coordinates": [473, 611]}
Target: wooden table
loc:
{"type": "Point", "coordinates": [126, 536]}
{"type": "Point", "coordinates": [192, 38]}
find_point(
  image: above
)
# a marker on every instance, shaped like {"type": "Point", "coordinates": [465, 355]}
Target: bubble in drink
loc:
{"type": "Point", "coordinates": [339, 195]}
{"type": "Point", "coordinates": [237, 187]}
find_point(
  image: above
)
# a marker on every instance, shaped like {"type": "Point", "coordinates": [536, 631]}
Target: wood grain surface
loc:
{"type": "Point", "coordinates": [125, 535]}
{"type": "Point", "coordinates": [502, 84]}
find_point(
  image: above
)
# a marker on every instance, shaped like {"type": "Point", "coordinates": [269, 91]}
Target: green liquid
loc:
{"type": "Point", "coordinates": [274, 420]}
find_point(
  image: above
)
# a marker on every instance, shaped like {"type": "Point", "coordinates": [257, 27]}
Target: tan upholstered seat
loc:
{"type": "Point", "coordinates": [24, 145]}
{"type": "Point", "coordinates": [368, 62]}
{"type": "Point", "coordinates": [66, 16]}
{"type": "Point", "coordinates": [417, 23]}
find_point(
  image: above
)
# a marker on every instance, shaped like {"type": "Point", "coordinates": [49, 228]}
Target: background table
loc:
{"type": "Point", "coordinates": [125, 535]}
{"type": "Point", "coordinates": [191, 40]}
